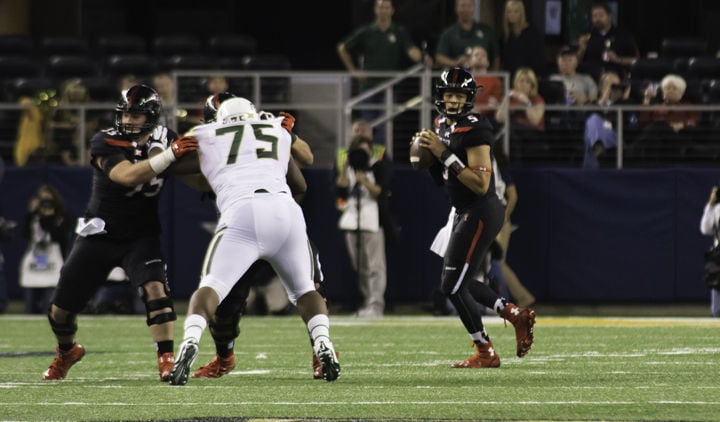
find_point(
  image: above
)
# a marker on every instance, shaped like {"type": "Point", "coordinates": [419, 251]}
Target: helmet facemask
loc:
{"type": "Point", "coordinates": [139, 99]}
{"type": "Point", "coordinates": [455, 80]}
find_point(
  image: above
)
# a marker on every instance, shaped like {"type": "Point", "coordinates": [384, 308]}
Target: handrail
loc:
{"type": "Point", "coordinates": [340, 104]}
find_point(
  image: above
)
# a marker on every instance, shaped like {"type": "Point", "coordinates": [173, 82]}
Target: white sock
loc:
{"type": "Point", "coordinates": [194, 327]}
{"type": "Point", "coordinates": [319, 327]}
{"type": "Point", "coordinates": [480, 336]}
{"type": "Point", "coordinates": [499, 305]}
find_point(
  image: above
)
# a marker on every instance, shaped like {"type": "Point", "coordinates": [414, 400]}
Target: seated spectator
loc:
{"type": "Point", "coordinates": [487, 98]}
{"type": "Point", "coordinates": [579, 87]}
{"type": "Point", "coordinates": [526, 109]}
{"type": "Point", "coordinates": [600, 127]}
{"type": "Point", "coordinates": [522, 44]}
{"type": "Point", "coordinates": [666, 131]}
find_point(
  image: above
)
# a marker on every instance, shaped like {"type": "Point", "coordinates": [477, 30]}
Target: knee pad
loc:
{"type": "Point", "coordinates": [67, 328]}
{"type": "Point", "coordinates": [225, 329]}
{"type": "Point", "coordinates": [157, 304]}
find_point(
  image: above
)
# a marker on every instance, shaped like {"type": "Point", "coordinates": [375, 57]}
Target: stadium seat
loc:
{"type": "Point", "coordinates": [16, 45]}
{"type": "Point", "coordinates": [268, 62]}
{"type": "Point", "coordinates": [273, 89]}
{"type": "Point", "coordinates": [712, 90]}
{"type": "Point", "coordinates": [63, 67]}
{"type": "Point", "coordinates": [704, 68]}
{"type": "Point", "coordinates": [64, 45]}
{"type": "Point", "coordinates": [110, 45]}
{"type": "Point", "coordinates": [137, 64]}
{"type": "Point", "coordinates": [651, 69]}
{"type": "Point", "coordinates": [102, 88]}
{"type": "Point", "coordinates": [232, 45]}
{"type": "Point", "coordinates": [18, 66]}
{"type": "Point", "coordinates": [188, 62]}
{"type": "Point", "coordinates": [673, 48]}
{"type": "Point", "coordinates": [25, 87]}
{"type": "Point", "coordinates": [170, 45]}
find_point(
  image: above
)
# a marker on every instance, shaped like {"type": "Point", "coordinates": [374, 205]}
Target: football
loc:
{"type": "Point", "coordinates": [420, 158]}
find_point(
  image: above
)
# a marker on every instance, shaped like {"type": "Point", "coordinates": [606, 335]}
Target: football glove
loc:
{"type": "Point", "coordinates": [183, 145]}
{"type": "Point", "coordinates": [288, 121]}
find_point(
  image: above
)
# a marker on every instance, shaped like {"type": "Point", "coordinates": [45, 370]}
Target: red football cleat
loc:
{"type": "Point", "coordinates": [216, 368]}
{"type": "Point", "coordinates": [523, 320]}
{"type": "Point", "coordinates": [63, 361]}
{"type": "Point", "coordinates": [165, 364]}
{"type": "Point", "coordinates": [484, 357]}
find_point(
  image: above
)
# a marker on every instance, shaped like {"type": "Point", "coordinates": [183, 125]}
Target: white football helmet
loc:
{"type": "Point", "coordinates": [235, 110]}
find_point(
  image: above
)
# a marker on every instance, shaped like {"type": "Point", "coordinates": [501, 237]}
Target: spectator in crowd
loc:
{"type": "Point", "coordinates": [606, 47]}
{"type": "Point", "coordinates": [667, 130]}
{"type": "Point", "coordinates": [600, 134]}
{"type": "Point", "coordinates": [65, 125]}
{"type": "Point", "coordinates": [526, 109]}
{"type": "Point", "coordinates": [522, 45]}
{"type": "Point", "coordinates": [456, 41]}
{"type": "Point", "coordinates": [579, 87]}
{"type": "Point", "coordinates": [127, 81]}
{"type": "Point", "coordinates": [165, 87]}
{"type": "Point", "coordinates": [33, 127]}
{"type": "Point", "coordinates": [364, 177]}
{"type": "Point", "coordinates": [217, 84]}
{"type": "Point", "coordinates": [490, 87]}
{"type": "Point", "coordinates": [710, 226]}
{"type": "Point", "coordinates": [47, 229]}
{"type": "Point", "coordinates": [382, 45]}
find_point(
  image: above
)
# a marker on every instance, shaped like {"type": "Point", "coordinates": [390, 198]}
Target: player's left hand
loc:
{"type": "Point", "coordinates": [160, 134]}
{"type": "Point", "coordinates": [288, 121]}
{"type": "Point", "coordinates": [183, 145]}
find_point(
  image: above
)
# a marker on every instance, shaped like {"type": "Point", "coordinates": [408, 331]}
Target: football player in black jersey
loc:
{"type": "Point", "coordinates": [462, 143]}
{"type": "Point", "coordinates": [121, 227]}
{"type": "Point", "coordinates": [225, 325]}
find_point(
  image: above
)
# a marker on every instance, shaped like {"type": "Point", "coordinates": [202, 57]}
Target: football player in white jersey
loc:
{"type": "Point", "coordinates": [245, 158]}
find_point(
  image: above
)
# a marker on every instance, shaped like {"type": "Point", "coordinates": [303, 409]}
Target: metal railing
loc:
{"type": "Point", "coordinates": [329, 95]}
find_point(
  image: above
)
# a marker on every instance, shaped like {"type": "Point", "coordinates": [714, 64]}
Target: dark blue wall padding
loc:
{"type": "Point", "coordinates": [582, 236]}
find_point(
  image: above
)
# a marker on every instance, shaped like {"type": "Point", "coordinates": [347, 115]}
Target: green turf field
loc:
{"type": "Point", "coordinates": [397, 368]}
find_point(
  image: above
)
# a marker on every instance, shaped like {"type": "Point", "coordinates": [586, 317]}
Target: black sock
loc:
{"type": "Point", "coordinates": [223, 350]}
{"type": "Point", "coordinates": [164, 347]}
{"type": "Point", "coordinates": [65, 346]}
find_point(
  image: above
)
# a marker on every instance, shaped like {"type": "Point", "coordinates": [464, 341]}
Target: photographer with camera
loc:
{"type": "Point", "coordinates": [600, 133]}
{"type": "Point", "coordinates": [363, 189]}
{"type": "Point", "coordinates": [47, 228]}
{"type": "Point", "coordinates": [710, 226]}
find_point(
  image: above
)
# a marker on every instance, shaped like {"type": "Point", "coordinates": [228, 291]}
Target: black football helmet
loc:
{"type": "Point", "coordinates": [140, 99]}
{"type": "Point", "coordinates": [456, 79]}
{"type": "Point", "coordinates": [213, 103]}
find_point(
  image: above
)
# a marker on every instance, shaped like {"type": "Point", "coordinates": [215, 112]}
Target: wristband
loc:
{"type": "Point", "coordinates": [452, 161]}
{"type": "Point", "coordinates": [160, 162]}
